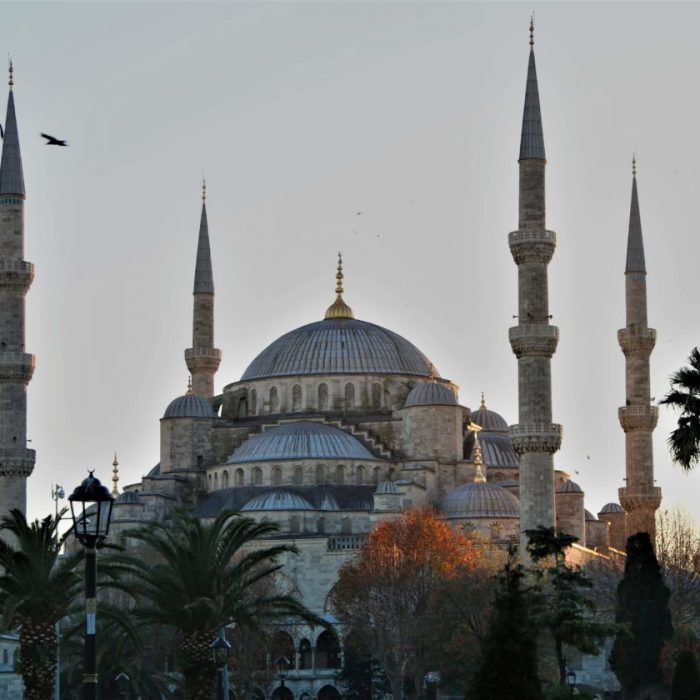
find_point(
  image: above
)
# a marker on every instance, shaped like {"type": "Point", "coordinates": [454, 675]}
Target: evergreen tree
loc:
{"type": "Point", "coordinates": [642, 604]}
{"type": "Point", "coordinates": [686, 678]}
{"type": "Point", "coordinates": [508, 667]}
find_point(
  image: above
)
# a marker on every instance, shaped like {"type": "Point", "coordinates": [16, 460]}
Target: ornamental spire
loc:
{"type": "Point", "coordinates": [532, 136]}
{"type": "Point", "coordinates": [203, 275]}
{"type": "Point", "coordinates": [339, 309]}
{"type": "Point", "coordinates": [115, 475]}
{"type": "Point", "coordinates": [635, 243]}
{"type": "Point", "coordinates": [479, 477]}
{"type": "Point", "coordinates": [11, 175]}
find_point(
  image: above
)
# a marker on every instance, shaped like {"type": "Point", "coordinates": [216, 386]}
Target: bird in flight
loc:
{"type": "Point", "coordinates": [53, 141]}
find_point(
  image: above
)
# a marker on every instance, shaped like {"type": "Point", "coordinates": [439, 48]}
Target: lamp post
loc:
{"type": "Point", "coordinates": [91, 508]}
{"type": "Point", "coordinates": [220, 650]}
{"type": "Point", "coordinates": [571, 680]}
{"type": "Point", "coordinates": [283, 665]}
{"type": "Point", "coordinates": [122, 681]}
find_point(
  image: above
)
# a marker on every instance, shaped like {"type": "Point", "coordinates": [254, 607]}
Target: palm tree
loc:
{"type": "Point", "coordinates": [684, 396]}
{"type": "Point", "coordinates": [197, 578]}
{"type": "Point", "coordinates": [37, 589]}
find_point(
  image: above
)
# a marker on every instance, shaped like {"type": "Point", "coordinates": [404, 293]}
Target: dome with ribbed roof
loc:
{"type": "Point", "coordinates": [611, 508]}
{"type": "Point", "coordinates": [128, 498]}
{"type": "Point", "coordinates": [590, 518]}
{"type": "Point", "coordinates": [569, 486]}
{"type": "Point", "coordinates": [277, 500]}
{"type": "Point", "coordinates": [386, 487]}
{"type": "Point", "coordinates": [430, 394]}
{"type": "Point", "coordinates": [189, 406]}
{"type": "Point", "coordinates": [300, 440]}
{"type": "Point", "coordinates": [489, 420]}
{"type": "Point", "coordinates": [480, 500]}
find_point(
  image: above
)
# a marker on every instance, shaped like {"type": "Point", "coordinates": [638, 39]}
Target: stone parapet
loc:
{"type": "Point", "coordinates": [16, 461]}
{"type": "Point", "coordinates": [639, 498]}
{"type": "Point", "coordinates": [16, 367]}
{"type": "Point", "coordinates": [638, 417]}
{"type": "Point", "coordinates": [532, 246]}
{"type": "Point", "coordinates": [636, 340]}
{"type": "Point", "coordinates": [533, 340]}
{"type": "Point", "coordinates": [16, 274]}
{"type": "Point", "coordinates": [202, 359]}
{"type": "Point", "coordinates": [535, 437]}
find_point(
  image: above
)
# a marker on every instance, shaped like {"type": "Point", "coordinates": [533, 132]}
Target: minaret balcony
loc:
{"type": "Point", "coordinates": [642, 417]}
{"type": "Point", "coordinates": [636, 498]}
{"type": "Point", "coordinates": [203, 359]}
{"type": "Point", "coordinates": [16, 367]}
{"type": "Point", "coordinates": [635, 340]}
{"type": "Point", "coordinates": [532, 246]}
{"type": "Point", "coordinates": [16, 461]}
{"type": "Point", "coordinates": [535, 437]}
{"type": "Point", "coordinates": [533, 340]}
{"type": "Point", "coordinates": [16, 273]}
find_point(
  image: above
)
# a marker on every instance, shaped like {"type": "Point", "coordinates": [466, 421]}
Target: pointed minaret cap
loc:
{"type": "Point", "coordinates": [203, 275]}
{"type": "Point", "coordinates": [11, 175]}
{"type": "Point", "coordinates": [635, 244]}
{"type": "Point", "coordinates": [339, 309]}
{"type": "Point", "coordinates": [115, 476]}
{"type": "Point", "coordinates": [532, 136]}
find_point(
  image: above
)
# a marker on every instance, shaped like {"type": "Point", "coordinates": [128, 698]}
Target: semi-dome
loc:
{"type": "Point", "coordinates": [611, 508]}
{"type": "Point", "coordinates": [300, 440]}
{"type": "Point", "coordinates": [189, 406]}
{"type": "Point", "coordinates": [497, 451]}
{"type": "Point", "coordinates": [480, 500]}
{"type": "Point", "coordinates": [339, 346]}
{"type": "Point", "coordinates": [386, 487]}
{"type": "Point", "coordinates": [128, 498]}
{"type": "Point", "coordinates": [489, 420]}
{"type": "Point", "coordinates": [277, 500]}
{"type": "Point", "coordinates": [590, 518]}
{"type": "Point", "coordinates": [569, 486]}
{"type": "Point", "coordinates": [430, 394]}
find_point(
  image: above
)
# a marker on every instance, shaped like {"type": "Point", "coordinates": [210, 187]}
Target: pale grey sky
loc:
{"type": "Point", "coordinates": [301, 115]}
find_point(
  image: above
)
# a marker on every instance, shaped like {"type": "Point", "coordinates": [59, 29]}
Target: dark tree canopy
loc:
{"type": "Point", "coordinates": [686, 678]}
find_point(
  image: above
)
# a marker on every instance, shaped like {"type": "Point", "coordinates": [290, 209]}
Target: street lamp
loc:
{"type": "Point", "coordinates": [220, 650]}
{"type": "Point", "coordinates": [571, 679]}
{"type": "Point", "coordinates": [122, 681]}
{"type": "Point", "coordinates": [91, 508]}
{"type": "Point", "coordinates": [283, 665]}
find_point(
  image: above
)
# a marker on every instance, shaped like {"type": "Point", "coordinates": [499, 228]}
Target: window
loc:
{"type": "Point", "coordinates": [257, 476]}
{"type": "Point", "coordinates": [296, 398]}
{"type": "Point", "coordinates": [376, 475]}
{"type": "Point", "coordinates": [346, 526]}
{"type": "Point", "coordinates": [224, 479]}
{"type": "Point", "coordinates": [360, 475]}
{"type": "Point", "coordinates": [304, 653]}
{"type": "Point", "coordinates": [274, 400]}
{"type": "Point", "coordinates": [253, 402]}
{"type": "Point", "coordinates": [392, 474]}
{"type": "Point", "coordinates": [321, 526]}
{"type": "Point", "coordinates": [327, 650]}
{"type": "Point", "coordinates": [238, 477]}
{"type": "Point", "coordinates": [294, 524]}
{"type": "Point", "coordinates": [216, 481]}
{"type": "Point", "coordinates": [323, 397]}
{"type": "Point", "coordinates": [340, 474]}
{"type": "Point", "coordinates": [349, 396]}
{"type": "Point", "coordinates": [277, 476]}
{"type": "Point", "coordinates": [376, 395]}
{"type": "Point", "coordinates": [299, 476]}
{"type": "Point", "coordinates": [320, 474]}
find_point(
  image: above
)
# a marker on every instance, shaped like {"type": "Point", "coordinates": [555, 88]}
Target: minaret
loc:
{"type": "Point", "coordinates": [640, 498]}
{"type": "Point", "coordinates": [535, 438]}
{"type": "Point", "coordinates": [16, 366]}
{"type": "Point", "coordinates": [203, 358]}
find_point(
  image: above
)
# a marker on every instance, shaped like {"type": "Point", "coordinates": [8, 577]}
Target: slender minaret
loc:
{"type": "Point", "coordinates": [535, 438]}
{"type": "Point", "coordinates": [640, 498]}
{"type": "Point", "coordinates": [16, 366]}
{"type": "Point", "coordinates": [203, 358]}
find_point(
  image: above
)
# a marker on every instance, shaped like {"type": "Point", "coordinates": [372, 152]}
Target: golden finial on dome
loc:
{"type": "Point", "coordinates": [339, 309]}
{"type": "Point", "coordinates": [189, 385]}
{"type": "Point", "coordinates": [483, 401]}
{"type": "Point", "coordinates": [479, 477]}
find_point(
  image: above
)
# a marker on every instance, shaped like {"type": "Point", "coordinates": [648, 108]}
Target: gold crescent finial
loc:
{"type": "Point", "coordinates": [12, 71]}
{"type": "Point", "coordinates": [339, 309]}
{"type": "Point", "coordinates": [634, 165]}
{"type": "Point", "coordinates": [532, 29]}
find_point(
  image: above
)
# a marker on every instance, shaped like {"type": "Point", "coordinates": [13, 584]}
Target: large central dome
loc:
{"type": "Point", "coordinates": [339, 346]}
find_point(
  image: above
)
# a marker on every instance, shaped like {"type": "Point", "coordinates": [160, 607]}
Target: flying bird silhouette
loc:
{"type": "Point", "coordinates": [53, 141]}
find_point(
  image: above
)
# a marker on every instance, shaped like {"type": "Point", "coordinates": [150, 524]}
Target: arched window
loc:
{"type": "Point", "coordinates": [323, 397]}
{"type": "Point", "coordinates": [253, 402]}
{"type": "Point", "coordinates": [376, 475]}
{"type": "Point", "coordinates": [304, 653]}
{"type": "Point", "coordinates": [238, 477]}
{"type": "Point", "coordinates": [243, 407]}
{"type": "Point", "coordinates": [224, 479]}
{"type": "Point", "coordinates": [216, 481]}
{"type": "Point", "coordinates": [210, 480]}
{"type": "Point", "coordinates": [392, 474]}
{"type": "Point", "coordinates": [277, 476]}
{"type": "Point", "coordinates": [296, 398]}
{"type": "Point", "coordinates": [349, 396]}
{"type": "Point", "coordinates": [360, 475]}
{"type": "Point", "coordinates": [340, 474]}
{"type": "Point", "coordinates": [294, 524]}
{"type": "Point", "coordinates": [329, 692]}
{"type": "Point", "coordinates": [257, 476]}
{"type": "Point", "coordinates": [274, 400]}
{"type": "Point", "coordinates": [376, 395]}
{"type": "Point", "coordinates": [327, 650]}
{"type": "Point", "coordinates": [320, 474]}
{"type": "Point", "coordinates": [321, 526]}
{"type": "Point", "coordinates": [5, 657]}
{"type": "Point", "coordinates": [299, 476]}
{"type": "Point", "coordinates": [346, 526]}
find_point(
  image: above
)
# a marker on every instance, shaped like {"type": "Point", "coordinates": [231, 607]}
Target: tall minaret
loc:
{"type": "Point", "coordinates": [535, 438]}
{"type": "Point", "coordinates": [203, 358]}
{"type": "Point", "coordinates": [640, 498]}
{"type": "Point", "coordinates": [16, 366]}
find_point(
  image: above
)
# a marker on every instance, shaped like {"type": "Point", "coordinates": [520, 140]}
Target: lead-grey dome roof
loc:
{"type": "Point", "coordinates": [569, 486]}
{"type": "Point", "coordinates": [300, 440]}
{"type": "Point", "coordinates": [480, 500]}
{"type": "Point", "coordinates": [489, 420]}
{"type": "Point", "coordinates": [278, 500]}
{"type": "Point", "coordinates": [339, 346]}
{"type": "Point", "coordinates": [611, 508]}
{"type": "Point", "coordinates": [430, 394]}
{"type": "Point", "coordinates": [385, 487]}
{"type": "Point", "coordinates": [189, 406]}
{"type": "Point", "coordinates": [130, 498]}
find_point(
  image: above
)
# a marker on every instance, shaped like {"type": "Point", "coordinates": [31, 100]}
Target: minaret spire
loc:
{"type": "Point", "coordinates": [639, 497]}
{"type": "Point", "coordinates": [203, 358]}
{"type": "Point", "coordinates": [11, 175]}
{"type": "Point", "coordinates": [339, 309]}
{"type": "Point", "coordinates": [535, 438]}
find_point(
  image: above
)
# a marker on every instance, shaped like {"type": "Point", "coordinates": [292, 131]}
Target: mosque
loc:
{"type": "Point", "coordinates": [341, 423]}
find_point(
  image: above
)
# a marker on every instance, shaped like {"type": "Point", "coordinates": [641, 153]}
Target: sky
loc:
{"type": "Point", "coordinates": [303, 115]}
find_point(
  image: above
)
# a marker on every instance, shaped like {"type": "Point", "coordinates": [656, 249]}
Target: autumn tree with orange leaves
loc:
{"type": "Point", "coordinates": [384, 596]}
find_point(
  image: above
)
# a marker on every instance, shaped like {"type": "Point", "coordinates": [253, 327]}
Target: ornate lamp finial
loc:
{"type": "Point", "coordinates": [115, 475]}
{"type": "Point", "coordinates": [532, 29]}
{"type": "Point", "coordinates": [479, 477]}
{"type": "Point", "coordinates": [634, 165]}
{"type": "Point", "coordinates": [339, 309]}
{"type": "Point", "coordinates": [12, 71]}
{"type": "Point", "coordinates": [189, 385]}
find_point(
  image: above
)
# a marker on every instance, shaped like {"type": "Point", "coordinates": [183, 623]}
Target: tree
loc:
{"type": "Point", "coordinates": [196, 578]}
{"type": "Point", "coordinates": [37, 589]}
{"type": "Point", "coordinates": [508, 667]}
{"type": "Point", "coordinates": [642, 605]}
{"type": "Point", "coordinates": [686, 679]}
{"type": "Point", "coordinates": [383, 596]}
{"type": "Point", "coordinates": [684, 396]}
{"type": "Point", "coordinates": [563, 610]}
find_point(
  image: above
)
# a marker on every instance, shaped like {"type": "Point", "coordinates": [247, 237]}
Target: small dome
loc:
{"type": "Point", "coordinates": [430, 394]}
{"type": "Point", "coordinates": [277, 500]}
{"type": "Point", "coordinates": [189, 406]}
{"type": "Point", "coordinates": [611, 508]}
{"type": "Point", "coordinates": [489, 420]}
{"type": "Point", "coordinates": [569, 486]}
{"type": "Point", "coordinates": [301, 440]}
{"type": "Point", "coordinates": [480, 500]}
{"type": "Point", "coordinates": [590, 518]}
{"type": "Point", "coordinates": [130, 498]}
{"type": "Point", "coordinates": [387, 487]}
